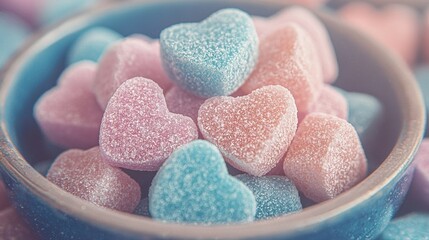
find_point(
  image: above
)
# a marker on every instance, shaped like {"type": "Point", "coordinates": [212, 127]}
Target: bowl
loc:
{"type": "Point", "coordinates": [360, 213]}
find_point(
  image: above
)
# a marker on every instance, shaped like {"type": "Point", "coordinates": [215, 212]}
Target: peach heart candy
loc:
{"type": "Point", "coordinates": [137, 131]}
{"type": "Point", "coordinates": [396, 26]}
{"type": "Point", "coordinates": [325, 157]}
{"type": "Point", "coordinates": [253, 132]}
{"type": "Point", "coordinates": [69, 114]}
{"type": "Point", "coordinates": [318, 33]}
{"type": "Point", "coordinates": [287, 57]}
{"type": "Point", "coordinates": [330, 102]}
{"type": "Point", "coordinates": [181, 102]}
{"type": "Point", "coordinates": [131, 57]}
{"type": "Point", "coordinates": [86, 175]}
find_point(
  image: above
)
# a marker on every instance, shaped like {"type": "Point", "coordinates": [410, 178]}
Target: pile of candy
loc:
{"type": "Point", "coordinates": [256, 90]}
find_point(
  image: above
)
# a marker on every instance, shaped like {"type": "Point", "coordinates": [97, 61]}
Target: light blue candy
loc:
{"type": "Point", "coordinates": [193, 186]}
{"type": "Point", "coordinates": [413, 226]}
{"type": "Point", "coordinates": [55, 10]}
{"type": "Point", "coordinates": [422, 76]}
{"type": "Point", "coordinates": [91, 45]}
{"type": "Point", "coordinates": [214, 57]}
{"type": "Point", "coordinates": [13, 33]}
{"type": "Point", "coordinates": [143, 208]}
{"type": "Point", "coordinates": [275, 195]}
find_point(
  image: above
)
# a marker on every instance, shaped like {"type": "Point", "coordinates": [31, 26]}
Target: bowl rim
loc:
{"type": "Point", "coordinates": [394, 165]}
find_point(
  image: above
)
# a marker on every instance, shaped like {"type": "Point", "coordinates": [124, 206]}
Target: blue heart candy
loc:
{"type": "Point", "coordinates": [193, 186]}
{"type": "Point", "coordinates": [214, 57]}
{"type": "Point", "coordinates": [275, 195]}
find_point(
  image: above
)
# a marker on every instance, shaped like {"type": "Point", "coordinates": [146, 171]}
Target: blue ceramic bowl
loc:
{"type": "Point", "coordinates": [360, 213]}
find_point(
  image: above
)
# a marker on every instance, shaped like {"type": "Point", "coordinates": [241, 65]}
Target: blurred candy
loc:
{"type": "Point", "coordinates": [275, 195]}
{"type": "Point", "coordinates": [422, 75]}
{"type": "Point", "coordinates": [91, 44]}
{"type": "Point", "coordinates": [55, 10]}
{"type": "Point", "coordinates": [182, 102]}
{"type": "Point", "coordinates": [395, 26]}
{"type": "Point", "coordinates": [126, 59]}
{"type": "Point", "coordinates": [420, 184]}
{"type": "Point", "coordinates": [4, 197]}
{"type": "Point", "coordinates": [413, 226]}
{"type": "Point", "coordinates": [193, 186]}
{"type": "Point", "coordinates": [12, 227]}
{"type": "Point", "coordinates": [309, 3]}
{"type": "Point", "coordinates": [28, 10]}
{"type": "Point", "coordinates": [69, 114]}
{"type": "Point", "coordinates": [253, 132]}
{"type": "Point", "coordinates": [330, 102]}
{"type": "Point", "coordinates": [86, 175]}
{"type": "Point", "coordinates": [138, 132]}
{"type": "Point", "coordinates": [325, 157]}
{"type": "Point", "coordinates": [13, 32]}
{"type": "Point", "coordinates": [317, 32]}
{"type": "Point", "coordinates": [288, 58]}
{"type": "Point", "coordinates": [426, 35]}
{"type": "Point", "coordinates": [211, 58]}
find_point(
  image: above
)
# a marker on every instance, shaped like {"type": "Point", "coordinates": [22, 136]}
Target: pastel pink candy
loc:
{"type": "Point", "coordinates": [330, 102]}
{"type": "Point", "coordinates": [29, 10]}
{"type": "Point", "coordinates": [12, 227]}
{"type": "Point", "coordinates": [325, 157]}
{"type": "Point", "coordinates": [69, 114]}
{"type": "Point", "coordinates": [317, 32]}
{"type": "Point", "coordinates": [182, 102]}
{"type": "Point", "coordinates": [426, 35]}
{"type": "Point", "coordinates": [138, 132]}
{"type": "Point", "coordinates": [287, 57]}
{"type": "Point", "coordinates": [395, 26]}
{"type": "Point", "coordinates": [4, 199]}
{"type": "Point", "coordinates": [421, 173]}
{"type": "Point", "coordinates": [132, 57]}
{"type": "Point", "coordinates": [86, 175]}
{"type": "Point", "coordinates": [254, 131]}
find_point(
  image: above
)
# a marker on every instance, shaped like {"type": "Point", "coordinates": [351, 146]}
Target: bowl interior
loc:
{"type": "Point", "coordinates": [362, 69]}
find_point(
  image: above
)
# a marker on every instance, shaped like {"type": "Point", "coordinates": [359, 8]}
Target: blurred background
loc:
{"type": "Point", "coordinates": [401, 27]}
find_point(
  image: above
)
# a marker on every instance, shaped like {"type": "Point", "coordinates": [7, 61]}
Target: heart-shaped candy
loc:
{"type": "Point", "coordinates": [288, 57]}
{"type": "Point", "coordinates": [137, 131]}
{"type": "Point", "coordinates": [86, 175]}
{"type": "Point", "coordinates": [131, 57]}
{"type": "Point", "coordinates": [69, 114]}
{"type": "Point", "coordinates": [254, 131]}
{"type": "Point", "coordinates": [193, 186]}
{"type": "Point", "coordinates": [211, 58]}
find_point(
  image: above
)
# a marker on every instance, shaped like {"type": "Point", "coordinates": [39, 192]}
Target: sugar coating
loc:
{"type": "Point", "coordinates": [331, 102]}
{"type": "Point", "coordinates": [211, 58]}
{"type": "Point", "coordinates": [143, 208]}
{"type": "Point", "coordinates": [395, 26]}
{"type": "Point", "coordinates": [69, 114]}
{"type": "Point", "coordinates": [411, 226]}
{"type": "Point", "coordinates": [126, 59]}
{"type": "Point", "coordinates": [275, 195]}
{"type": "Point", "coordinates": [91, 44]}
{"type": "Point", "coordinates": [86, 175]}
{"type": "Point", "coordinates": [254, 131]}
{"type": "Point", "coordinates": [182, 102]}
{"type": "Point", "coordinates": [421, 173]}
{"type": "Point", "coordinates": [316, 30]}
{"type": "Point", "coordinates": [4, 197]}
{"type": "Point", "coordinates": [25, 9]}
{"type": "Point", "coordinates": [325, 157]}
{"type": "Point", "coordinates": [13, 32]}
{"type": "Point", "coordinates": [193, 186]}
{"type": "Point", "coordinates": [137, 131]}
{"type": "Point", "coordinates": [288, 58]}
{"type": "Point", "coordinates": [54, 10]}
{"type": "Point", "coordinates": [13, 227]}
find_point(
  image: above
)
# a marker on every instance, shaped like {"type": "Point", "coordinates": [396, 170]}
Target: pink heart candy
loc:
{"type": "Point", "coordinates": [69, 114]}
{"type": "Point", "coordinates": [317, 32]}
{"type": "Point", "coordinates": [138, 132]}
{"type": "Point", "coordinates": [325, 157]}
{"type": "Point", "coordinates": [287, 57]}
{"type": "Point", "coordinates": [132, 57]}
{"type": "Point", "coordinates": [86, 175]}
{"type": "Point", "coordinates": [395, 26]}
{"type": "Point", "coordinates": [254, 131]}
